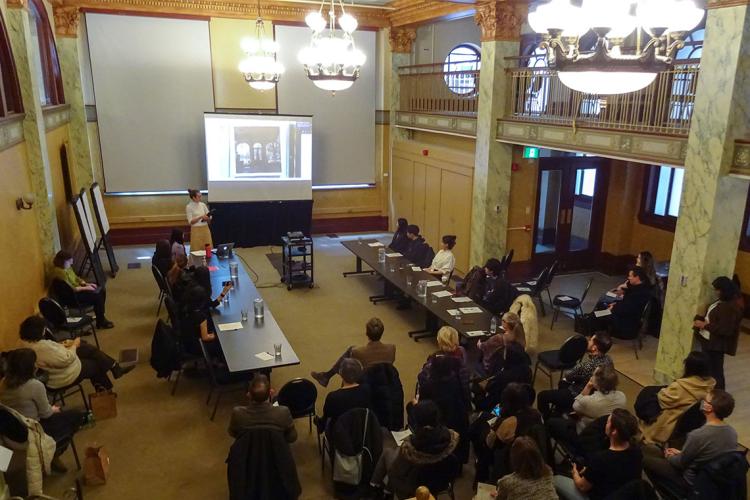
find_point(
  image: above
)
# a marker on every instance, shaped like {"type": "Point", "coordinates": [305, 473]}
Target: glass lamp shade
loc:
{"type": "Point", "coordinates": [315, 21]}
{"type": "Point", "coordinates": [558, 14]}
{"type": "Point", "coordinates": [606, 82]}
{"type": "Point", "coordinates": [348, 23]}
{"type": "Point", "coordinates": [261, 85]}
{"type": "Point", "coordinates": [686, 16]}
{"type": "Point", "coordinates": [333, 85]}
{"type": "Point", "coordinates": [612, 14]}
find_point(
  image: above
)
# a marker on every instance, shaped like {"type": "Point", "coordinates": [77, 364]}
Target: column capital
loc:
{"type": "Point", "coordinates": [718, 4]}
{"type": "Point", "coordinates": [401, 39]}
{"type": "Point", "coordinates": [67, 19]}
{"type": "Point", "coordinates": [18, 4]}
{"type": "Point", "coordinates": [501, 20]}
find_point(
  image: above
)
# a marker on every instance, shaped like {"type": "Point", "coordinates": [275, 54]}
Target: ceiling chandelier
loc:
{"type": "Point", "coordinates": [612, 66]}
{"type": "Point", "coordinates": [331, 60]}
{"type": "Point", "coordinates": [261, 69]}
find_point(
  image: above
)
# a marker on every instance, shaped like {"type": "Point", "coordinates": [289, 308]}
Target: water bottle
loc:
{"type": "Point", "coordinates": [258, 308]}
{"type": "Point", "coordinates": [493, 325]}
{"type": "Point", "coordinates": [381, 255]}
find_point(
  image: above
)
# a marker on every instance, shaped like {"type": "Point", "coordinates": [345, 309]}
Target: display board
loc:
{"type": "Point", "coordinates": [99, 209]}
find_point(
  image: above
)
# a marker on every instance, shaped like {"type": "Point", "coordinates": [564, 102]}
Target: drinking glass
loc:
{"type": "Point", "coordinates": [233, 270]}
{"type": "Point", "coordinates": [258, 308]}
{"type": "Point", "coordinates": [359, 240]}
{"type": "Point", "coordinates": [434, 298]}
{"type": "Point", "coordinates": [409, 279]}
{"type": "Point", "coordinates": [244, 315]}
{"type": "Point", "coordinates": [444, 279]}
{"type": "Point", "coordinates": [458, 315]}
{"type": "Point", "coordinates": [225, 301]}
{"type": "Point", "coordinates": [277, 351]}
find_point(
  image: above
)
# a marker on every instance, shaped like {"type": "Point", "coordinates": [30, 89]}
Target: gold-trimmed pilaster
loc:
{"type": "Point", "coordinates": [501, 20]}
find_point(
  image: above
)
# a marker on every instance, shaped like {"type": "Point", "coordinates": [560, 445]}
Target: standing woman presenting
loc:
{"type": "Point", "coordinates": [198, 218]}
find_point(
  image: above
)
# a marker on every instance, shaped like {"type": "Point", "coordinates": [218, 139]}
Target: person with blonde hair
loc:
{"type": "Point", "coordinates": [448, 343]}
{"type": "Point", "coordinates": [455, 360]}
{"type": "Point", "coordinates": [493, 349]}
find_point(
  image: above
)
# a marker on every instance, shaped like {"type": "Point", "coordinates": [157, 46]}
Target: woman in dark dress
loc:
{"type": "Point", "coordinates": [400, 242]}
{"type": "Point", "coordinates": [162, 258]}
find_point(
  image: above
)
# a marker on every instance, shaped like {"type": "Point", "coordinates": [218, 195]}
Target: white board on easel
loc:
{"type": "Point", "coordinates": [89, 237]}
{"type": "Point", "coordinates": [101, 212]}
{"type": "Point", "coordinates": [88, 212]}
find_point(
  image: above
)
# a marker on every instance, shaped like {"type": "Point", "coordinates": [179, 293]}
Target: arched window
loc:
{"type": "Point", "coordinates": [46, 64]}
{"type": "Point", "coordinates": [461, 67]}
{"type": "Point", "coordinates": [10, 92]}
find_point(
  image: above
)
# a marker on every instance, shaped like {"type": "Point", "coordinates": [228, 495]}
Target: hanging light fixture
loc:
{"type": "Point", "coordinates": [612, 67]}
{"type": "Point", "coordinates": [331, 60]}
{"type": "Point", "coordinates": [260, 69]}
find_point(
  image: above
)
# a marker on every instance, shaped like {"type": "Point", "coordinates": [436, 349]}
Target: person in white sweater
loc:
{"type": "Point", "coordinates": [70, 362]}
{"type": "Point", "coordinates": [444, 261]}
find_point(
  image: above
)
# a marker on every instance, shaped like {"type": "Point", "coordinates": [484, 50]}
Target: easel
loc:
{"type": "Point", "coordinates": [91, 260]}
{"type": "Point", "coordinates": [101, 219]}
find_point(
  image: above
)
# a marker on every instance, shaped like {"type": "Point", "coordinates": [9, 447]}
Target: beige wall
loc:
{"type": "Point", "coordinates": [66, 221]}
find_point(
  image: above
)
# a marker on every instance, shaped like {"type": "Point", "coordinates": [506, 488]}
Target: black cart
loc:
{"type": "Point", "coordinates": [297, 262]}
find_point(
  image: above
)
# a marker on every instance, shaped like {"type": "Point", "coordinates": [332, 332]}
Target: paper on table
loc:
{"type": "Point", "coordinates": [476, 333]}
{"type": "Point", "coordinates": [564, 298]}
{"type": "Point", "coordinates": [453, 312]}
{"type": "Point", "coordinates": [376, 244]}
{"type": "Point", "coordinates": [523, 289]}
{"type": "Point", "coordinates": [228, 327]}
{"type": "Point", "coordinates": [199, 253]}
{"type": "Point", "coordinates": [611, 294]}
{"type": "Point", "coordinates": [443, 293]}
{"type": "Point", "coordinates": [416, 269]}
{"type": "Point", "coordinates": [602, 313]}
{"type": "Point", "coordinates": [74, 319]}
{"type": "Point", "coordinates": [461, 299]}
{"type": "Point", "coordinates": [400, 436]}
{"type": "Point", "coordinates": [5, 456]}
{"type": "Point", "coordinates": [394, 254]}
{"type": "Point", "coordinates": [434, 283]}
{"type": "Point", "coordinates": [264, 356]}
{"type": "Point", "coordinates": [471, 310]}
{"type": "Point", "coordinates": [485, 491]}
{"type": "Point", "coordinates": [532, 283]}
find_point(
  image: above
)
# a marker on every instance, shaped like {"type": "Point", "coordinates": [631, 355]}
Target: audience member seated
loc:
{"type": "Point", "coordinates": [561, 400]}
{"type": "Point", "coordinates": [607, 471]}
{"type": "Point", "coordinates": [260, 412]}
{"type": "Point", "coordinates": [351, 395]}
{"type": "Point", "coordinates": [515, 367]}
{"type": "Point", "coordinates": [492, 436]}
{"type": "Point", "coordinates": [86, 293]}
{"type": "Point", "coordinates": [28, 396]}
{"type": "Point", "coordinates": [202, 277]}
{"type": "Point", "coordinates": [162, 258]}
{"type": "Point", "coordinates": [600, 397]}
{"type": "Point", "coordinates": [676, 470]}
{"type": "Point", "coordinates": [675, 399]}
{"type": "Point", "coordinates": [719, 330]}
{"type": "Point", "coordinates": [444, 261]}
{"type": "Point", "coordinates": [448, 346]}
{"type": "Point", "coordinates": [400, 243]}
{"type": "Point", "coordinates": [492, 350]}
{"type": "Point", "coordinates": [196, 324]}
{"type": "Point", "coordinates": [626, 313]}
{"type": "Point", "coordinates": [70, 362]}
{"type": "Point", "coordinates": [176, 276]}
{"type": "Point", "coordinates": [531, 479]}
{"type": "Point", "coordinates": [369, 354]}
{"type": "Point", "coordinates": [418, 251]}
{"type": "Point", "coordinates": [494, 293]}
{"type": "Point", "coordinates": [431, 443]}
{"type": "Point", "coordinates": [177, 243]}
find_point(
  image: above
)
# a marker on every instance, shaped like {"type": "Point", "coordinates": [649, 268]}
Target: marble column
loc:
{"type": "Point", "coordinates": [67, 20]}
{"type": "Point", "coordinates": [19, 33]}
{"type": "Point", "coordinates": [500, 22]}
{"type": "Point", "coordinates": [713, 203]}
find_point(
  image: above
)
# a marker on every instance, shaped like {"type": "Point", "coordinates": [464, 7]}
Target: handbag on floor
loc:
{"type": "Point", "coordinates": [96, 465]}
{"type": "Point", "coordinates": [347, 469]}
{"type": "Point", "coordinates": [103, 404]}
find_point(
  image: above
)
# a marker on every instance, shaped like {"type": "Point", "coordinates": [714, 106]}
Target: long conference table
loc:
{"type": "Point", "coordinates": [469, 326]}
{"type": "Point", "coordinates": [256, 336]}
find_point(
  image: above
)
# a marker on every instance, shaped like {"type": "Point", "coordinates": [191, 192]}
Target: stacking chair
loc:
{"type": "Point", "coordinates": [66, 296]}
{"type": "Point", "coordinates": [568, 302]}
{"type": "Point", "coordinates": [186, 358]}
{"type": "Point", "coordinates": [164, 288]}
{"type": "Point", "coordinates": [548, 282]}
{"type": "Point", "coordinates": [565, 358]}
{"type": "Point", "coordinates": [55, 315]}
{"type": "Point", "coordinates": [636, 334]}
{"type": "Point", "coordinates": [59, 394]}
{"type": "Point", "coordinates": [220, 381]}
{"type": "Point", "coordinates": [506, 261]}
{"type": "Point", "coordinates": [299, 395]}
{"type": "Point", "coordinates": [535, 287]}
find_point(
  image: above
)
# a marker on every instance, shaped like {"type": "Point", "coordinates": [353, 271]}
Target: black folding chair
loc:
{"type": "Point", "coordinates": [569, 302]}
{"type": "Point", "coordinates": [535, 287]}
{"type": "Point", "coordinates": [164, 288]}
{"type": "Point", "coordinates": [220, 381]}
{"type": "Point", "coordinates": [60, 393]}
{"type": "Point", "coordinates": [561, 359]}
{"type": "Point", "coordinates": [299, 395]}
{"type": "Point", "coordinates": [55, 315]}
{"type": "Point", "coordinates": [186, 358]}
{"type": "Point", "coordinates": [64, 294]}
{"type": "Point", "coordinates": [635, 334]}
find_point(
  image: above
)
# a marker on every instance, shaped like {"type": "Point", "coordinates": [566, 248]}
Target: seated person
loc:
{"type": "Point", "coordinates": [626, 313]}
{"type": "Point", "coordinates": [196, 324]}
{"type": "Point", "coordinates": [495, 293]}
{"type": "Point", "coordinates": [677, 469]}
{"type": "Point", "coordinates": [28, 396]}
{"type": "Point", "coordinates": [86, 293]}
{"type": "Point", "coordinates": [372, 353]}
{"type": "Point", "coordinates": [531, 479]}
{"type": "Point", "coordinates": [202, 276]}
{"type": "Point", "coordinates": [575, 380]}
{"type": "Point", "coordinates": [177, 243]}
{"type": "Point", "coordinates": [260, 411]}
{"type": "Point", "coordinates": [448, 346]}
{"type": "Point", "coordinates": [444, 261]}
{"type": "Point", "coordinates": [678, 397]}
{"type": "Point", "coordinates": [351, 395]}
{"type": "Point", "coordinates": [70, 362]}
{"type": "Point", "coordinates": [418, 251]}
{"type": "Point", "coordinates": [162, 258]}
{"type": "Point", "coordinates": [400, 243]}
{"type": "Point", "coordinates": [599, 398]}
{"type": "Point", "coordinates": [431, 442]}
{"type": "Point", "coordinates": [175, 273]}
{"type": "Point", "coordinates": [492, 348]}
{"type": "Point", "coordinates": [606, 471]}
{"type": "Point", "coordinates": [514, 366]}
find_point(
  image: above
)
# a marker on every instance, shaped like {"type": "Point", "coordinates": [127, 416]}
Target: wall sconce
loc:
{"type": "Point", "coordinates": [25, 202]}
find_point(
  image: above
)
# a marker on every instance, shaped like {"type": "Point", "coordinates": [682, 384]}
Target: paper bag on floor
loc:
{"type": "Point", "coordinates": [103, 404]}
{"type": "Point", "coordinates": [96, 465]}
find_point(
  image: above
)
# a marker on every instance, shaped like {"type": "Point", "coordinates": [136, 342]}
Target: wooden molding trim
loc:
{"type": "Point", "coordinates": [414, 12]}
{"type": "Point", "coordinates": [501, 20]}
{"type": "Point", "coordinates": [718, 4]}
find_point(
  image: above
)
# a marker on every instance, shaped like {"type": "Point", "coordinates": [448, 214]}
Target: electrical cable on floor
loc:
{"type": "Point", "coordinates": [255, 277]}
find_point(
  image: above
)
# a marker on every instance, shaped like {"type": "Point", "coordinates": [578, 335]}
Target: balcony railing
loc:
{"type": "Point", "coordinates": [429, 88]}
{"type": "Point", "coordinates": [664, 107]}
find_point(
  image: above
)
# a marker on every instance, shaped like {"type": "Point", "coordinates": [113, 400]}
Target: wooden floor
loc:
{"type": "Point", "coordinates": [736, 368]}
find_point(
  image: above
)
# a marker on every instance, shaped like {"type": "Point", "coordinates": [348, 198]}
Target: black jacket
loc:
{"type": "Point", "coordinates": [399, 243]}
{"type": "Point", "coordinates": [419, 252]}
{"type": "Point", "coordinates": [166, 350]}
{"type": "Point", "coordinates": [387, 395]}
{"type": "Point", "coordinates": [497, 295]}
{"type": "Point", "coordinates": [626, 314]}
{"type": "Point", "coordinates": [722, 478]}
{"type": "Point", "coordinates": [260, 466]}
{"type": "Point", "coordinates": [724, 324]}
{"type": "Point", "coordinates": [347, 438]}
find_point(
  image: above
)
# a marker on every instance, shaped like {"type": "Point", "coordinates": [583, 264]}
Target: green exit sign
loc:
{"type": "Point", "coordinates": [530, 152]}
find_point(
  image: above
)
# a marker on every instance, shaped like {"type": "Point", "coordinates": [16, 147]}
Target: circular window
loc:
{"type": "Point", "coordinates": [461, 69]}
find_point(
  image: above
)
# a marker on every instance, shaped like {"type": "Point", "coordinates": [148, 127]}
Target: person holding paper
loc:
{"type": "Point", "coordinates": [86, 293]}
{"type": "Point", "coordinates": [198, 217]}
{"type": "Point", "coordinates": [626, 314]}
{"type": "Point", "coordinates": [444, 261]}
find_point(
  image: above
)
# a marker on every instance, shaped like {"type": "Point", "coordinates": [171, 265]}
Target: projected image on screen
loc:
{"type": "Point", "coordinates": [251, 158]}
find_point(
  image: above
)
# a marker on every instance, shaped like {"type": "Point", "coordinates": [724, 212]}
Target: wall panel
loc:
{"type": "Point", "coordinates": [431, 231]}
{"type": "Point", "coordinates": [418, 200]}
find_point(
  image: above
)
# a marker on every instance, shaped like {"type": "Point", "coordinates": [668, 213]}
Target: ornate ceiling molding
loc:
{"type": "Point", "coordinates": [718, 4]}
{"type": "Point", "coordinates": [401, 39]}
{"type": "Point", "coordinates": [18, 4]}
{"type": "Point", "coordinates": [501, 20]}
{"type": "Point", "coordinates": [414, 12]}
{"type": "Point", "coordinates": [66, 21]}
